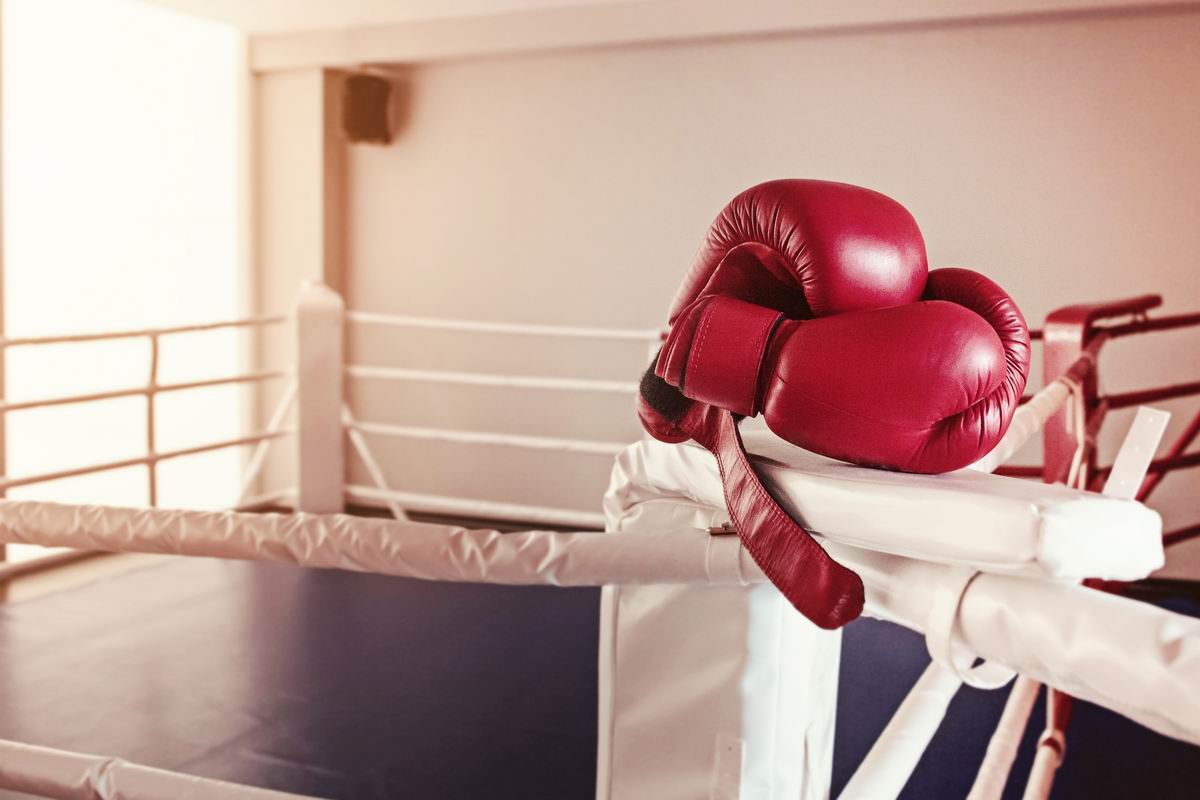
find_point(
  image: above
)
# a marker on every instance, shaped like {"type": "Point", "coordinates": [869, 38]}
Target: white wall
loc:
{"type": "Point", "coordinates": [1057, 156]}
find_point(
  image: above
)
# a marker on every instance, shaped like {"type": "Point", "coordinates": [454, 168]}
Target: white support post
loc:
{"type": "Point", "coordinates": [320, 470]}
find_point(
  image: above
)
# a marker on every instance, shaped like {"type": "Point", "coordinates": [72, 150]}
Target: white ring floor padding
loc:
{"type": "Point", "coordinates": [967, 518]}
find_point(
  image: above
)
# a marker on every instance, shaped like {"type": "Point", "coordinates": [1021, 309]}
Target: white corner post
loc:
{"type": "Point", "coordinates": [320, 454]}
{"type": "Point", "coordinates": [297, 156]}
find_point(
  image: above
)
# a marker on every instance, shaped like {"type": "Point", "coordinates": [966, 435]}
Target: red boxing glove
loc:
{"type": "Point", "coordinates": [924, 387]}
{"type": "Point", "coordinates": [811, 303]}
{"type": "Point", "coordinates": [805, 248]}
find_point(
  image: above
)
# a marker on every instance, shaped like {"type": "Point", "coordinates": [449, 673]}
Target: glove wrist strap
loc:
{"type": "Point", "coordinates": [823, 590]}
{"type": "Point", "coordinates": [729, 347]}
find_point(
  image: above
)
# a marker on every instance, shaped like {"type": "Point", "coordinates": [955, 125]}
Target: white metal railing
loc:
{"type": "Point", "coordinates": [253, 377]}
{"type": "Point", "coordinates": [151, 389]}
{"type": "Point", "coordinates": [152, 333]}
{"type": "Point", "coordinates": [151, 460]}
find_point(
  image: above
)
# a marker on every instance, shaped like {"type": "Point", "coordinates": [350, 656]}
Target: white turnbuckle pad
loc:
{"type": "Point", "coordinates": [987, 522]}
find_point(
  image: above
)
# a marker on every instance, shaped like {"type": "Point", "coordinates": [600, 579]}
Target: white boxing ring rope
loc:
{"type": "Point", "coordinates": [386, 547]}
{"type": "Point", "coordinates": [62, 775]}
{"type": "Point", "coordinates": [314, 306]}
{"type": "Point", "coordinates": [485, 379]}
{"type": "Point", "coordinates": [504, 328]}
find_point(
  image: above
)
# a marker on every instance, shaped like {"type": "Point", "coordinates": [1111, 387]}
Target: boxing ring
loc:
{"type": "Point", "coordinates": [986, 566]}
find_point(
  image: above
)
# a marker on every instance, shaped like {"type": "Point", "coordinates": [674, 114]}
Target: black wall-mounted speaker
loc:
{"type": "Point", "coordinates": [365, 109]}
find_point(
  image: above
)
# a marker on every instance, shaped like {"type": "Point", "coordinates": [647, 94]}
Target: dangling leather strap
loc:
{"type": "Point", "coordinates": [820, 588]}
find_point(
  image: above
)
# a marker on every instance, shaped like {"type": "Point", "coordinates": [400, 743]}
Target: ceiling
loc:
{"type": "Point", "coordinates": [281, 16]}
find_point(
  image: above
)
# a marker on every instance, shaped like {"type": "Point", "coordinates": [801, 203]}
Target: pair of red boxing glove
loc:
{"type": "Point", "coordinates": [812, 304]}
